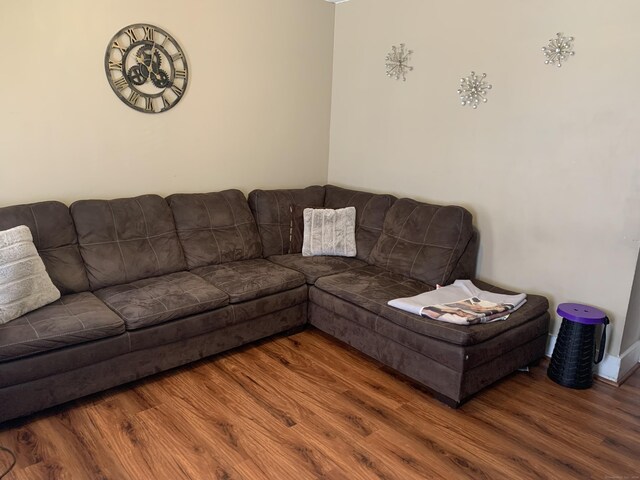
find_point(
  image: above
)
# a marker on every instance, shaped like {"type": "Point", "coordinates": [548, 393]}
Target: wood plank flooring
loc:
{"type": "Point", "coordinates": [307, 407]}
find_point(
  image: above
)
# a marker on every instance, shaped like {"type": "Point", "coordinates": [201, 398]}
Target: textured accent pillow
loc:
{"type": "Point", "coordinates": [24, 282]}
{"type": "Point", "coordinates": [329, 232]}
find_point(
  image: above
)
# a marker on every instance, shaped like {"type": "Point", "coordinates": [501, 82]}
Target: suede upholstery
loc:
{"type": "Point", "coordinates": [457, 357]}
{"type": "Point", "coordinates": [371, 210]}
{"type": "Point", "coordinates": [127, 239]}
{"type": "Point", "coordinates": [423, 241]}
{"type": "Point", "coordinates": [159, 299]}
{"type": "Point", "coordinates": [272, 210]}
{"type": "Point", "coordinates": [218, 319]}
{"type": "Point", "coordinates": [372, 287]}
{"type": "Point", "coordinates": [466, 267]}
{"type": "Point", "coordinates": [55, 239]}
{"type": "Point", "coordinates": [136, 251]}
{"type": "Point", "coordinates": [20, 399]}
{"type": "Point", "coordinates": [73, 319]}
{"type": "Point", "coordinates": [215, 228]}
{"type": "Point", "coordinates": [250, 279]}
{"type": "Point", "coordinates": [318, 266]}
{"type": "Point", "coordinates": [449, 385]}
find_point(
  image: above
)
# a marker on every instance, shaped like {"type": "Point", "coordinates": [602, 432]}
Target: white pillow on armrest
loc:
{"type": "Point", "coordinates": [24, 282]}
{"type": "Point", "coordinates": [329, 232]}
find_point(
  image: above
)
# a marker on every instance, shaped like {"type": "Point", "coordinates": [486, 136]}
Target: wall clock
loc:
{"type": "Point", "coordinates": [146, 68]}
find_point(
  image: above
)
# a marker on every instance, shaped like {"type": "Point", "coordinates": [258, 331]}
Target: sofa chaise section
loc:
{"type": "Point", "coordinates": [421, 246]}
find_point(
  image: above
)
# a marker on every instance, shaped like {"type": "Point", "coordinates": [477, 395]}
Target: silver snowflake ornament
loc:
{"type": "Point", "coordinates": [473, 90]}
{"type": "Point", "coordinates": [559, 50]}
{"type": "Point", "coordinates": [397, 62]}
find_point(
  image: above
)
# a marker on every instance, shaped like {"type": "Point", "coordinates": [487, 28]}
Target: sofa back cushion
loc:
{"type": "Point", "coordinates": [55, 239]}
{"type": "Point", "coordinates": [273, 210]}
{"type": "Point", "coordinates": [423, 241]}
{"type": "Point", "coordinates": [215, 228]}
{"type": "Point", "coordinates": [127, 239]}
{"type": "Point", "coordinates": [371, 210]}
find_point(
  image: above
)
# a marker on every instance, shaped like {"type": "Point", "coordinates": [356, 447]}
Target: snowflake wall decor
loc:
{"type": "Point", "coordinates": [473, 90]}
{"type": "Point", "coordinates": [559, 50]}
{"type": "Point", "coordinates": [397, 65]}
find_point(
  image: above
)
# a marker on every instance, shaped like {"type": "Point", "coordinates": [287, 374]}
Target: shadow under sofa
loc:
{"type": "Point", "coordinates": [149, 284]}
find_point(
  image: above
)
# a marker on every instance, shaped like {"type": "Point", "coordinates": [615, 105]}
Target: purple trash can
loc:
{"type": "Point", "coordinates": [574, 354]}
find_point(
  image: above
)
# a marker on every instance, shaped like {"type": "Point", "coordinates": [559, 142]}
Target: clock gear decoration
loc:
{"type": "Point", "coordinates": [146, 68]}
{"type": "Point", "coordinates": [397, 62]}
{"type": "Point", "coordinates": [559, 50]}
{"type": "Point", "coordinates": [473, 90]}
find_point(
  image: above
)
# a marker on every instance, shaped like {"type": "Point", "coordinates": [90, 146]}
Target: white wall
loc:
{"type": "Point", "coordinates": [549, 166]}
{"type": "Point", "coordinates": [632, 327]}
{"type": "Point", "coordinates": [256, 112]}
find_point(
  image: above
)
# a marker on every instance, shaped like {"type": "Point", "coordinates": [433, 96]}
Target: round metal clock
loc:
{"type": "Point", "coordinates": [146, 68]}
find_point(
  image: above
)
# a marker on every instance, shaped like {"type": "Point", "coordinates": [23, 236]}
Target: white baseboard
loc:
{"type": "Point", "coordinates": [629, 359]}
{"type": "Point", "coordinates": [610, 366]}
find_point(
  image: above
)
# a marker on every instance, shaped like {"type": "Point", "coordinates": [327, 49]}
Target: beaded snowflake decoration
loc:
{"type": "Point", "coordinates": [397, 62]}
{"type": "Point", "coordinates": [473, 90]}
{"type": "Point", "coordinates": [559, 50]}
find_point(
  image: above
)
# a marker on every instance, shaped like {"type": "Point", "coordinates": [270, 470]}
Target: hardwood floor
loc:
{"type": "Point", "coordinates": [307, 407]}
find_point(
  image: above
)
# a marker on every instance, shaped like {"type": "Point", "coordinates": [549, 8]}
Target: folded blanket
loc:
{"type": "Point", "coordinates": [462, 303]}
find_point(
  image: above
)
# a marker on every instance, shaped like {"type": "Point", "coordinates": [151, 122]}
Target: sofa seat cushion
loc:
{"type": "Point", "coordinates": [73, 319]}
{"type": "Point", "coordinates": [319, 266]}
{"type": "Point", "coordinates": [157, 300]}
{"type": "Point", "coordinates": [249, 279]}
{"type": "Point", "coordinates": [372, 287]}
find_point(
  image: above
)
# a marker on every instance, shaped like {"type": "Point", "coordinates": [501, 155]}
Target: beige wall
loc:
{"type": "Point", "coordinates": [256, 112]}
{"type": "Point", "coordinates": [632, 327]}
{"type": "Point", "coordinates": [549, 166]}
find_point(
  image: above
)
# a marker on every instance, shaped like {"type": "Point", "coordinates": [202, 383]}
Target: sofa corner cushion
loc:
{"type": "Point", "coordinates": [318, 266]}
{"type": "Point", "coordinates": [272, 210]}
{"type": "Point", "coordinates": [371, 210]}
{"type": "Point", "coordinates": [127, 239]}
{"type": "Point", "coordinates": [54, 236]}
{"type": "Point", "coordinates": [423, 241]}
{"type": "Point", "coordinates": [71, 320]}
{"type": "Point", "coordinates": [215, 227]}
{"type": "Point", "coordinates": [372, 287]}
{"type": "Point", "coordinates": [249, 279]}
{"type": "Point", "coordinates": [157, 300]}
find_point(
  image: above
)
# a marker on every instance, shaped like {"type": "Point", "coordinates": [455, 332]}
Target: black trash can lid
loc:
{"type": "Point", "coordinates": [576, 312]}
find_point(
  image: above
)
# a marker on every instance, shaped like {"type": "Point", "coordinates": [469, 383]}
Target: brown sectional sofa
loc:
{"type": "Point", "coordinates": [149, 284]}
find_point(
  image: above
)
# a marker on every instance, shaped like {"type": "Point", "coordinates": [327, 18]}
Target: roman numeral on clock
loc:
{"type": "Point", "coordinates": [148, 104]}
{"type": "Point", "coordinates": [177, 90]}
{"type": "Point", "coordinates": [115, 65]}
{"type": "Point", "coordinates": [119, 47]}
{"type": "Point", "coordinates": [181, 74]}
{"type": "Point", "coordinates": [176, 56]}
{"type": "Point", "coordinates": [133, 97]}
{"type": "Point", "coordinates": [121, 83]}
{"type": "Point", "coordinates": [165, 103]}
{"type": "Point", "coordinates": [131, 33]}
{"type": "Point", "coordinates": [149, 33]}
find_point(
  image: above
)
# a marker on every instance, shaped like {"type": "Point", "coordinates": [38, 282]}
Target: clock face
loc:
{"type": "Point", "coordinates": [146, 68]}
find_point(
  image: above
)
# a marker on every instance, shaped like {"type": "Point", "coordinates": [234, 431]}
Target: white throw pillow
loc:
{"type": "Point", "coordinates": [329, 232]}
{"type": "Point", "coordinates": [24, 282]}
